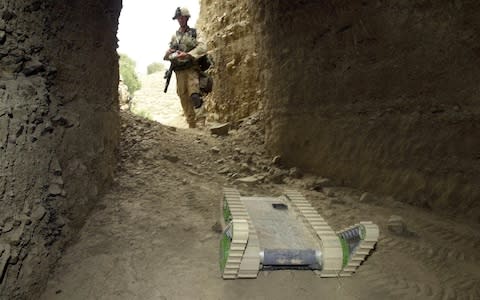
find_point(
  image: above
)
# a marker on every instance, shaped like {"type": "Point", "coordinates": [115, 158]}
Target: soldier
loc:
{"type": "Point", "coordinates": [183, 53]}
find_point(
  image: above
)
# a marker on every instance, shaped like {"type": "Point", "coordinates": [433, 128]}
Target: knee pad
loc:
{"type": "Point", "coordinates": [197, 100]}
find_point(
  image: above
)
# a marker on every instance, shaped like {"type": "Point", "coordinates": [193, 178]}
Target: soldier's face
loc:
{"type": "Point", "coordinates": [182, 20]}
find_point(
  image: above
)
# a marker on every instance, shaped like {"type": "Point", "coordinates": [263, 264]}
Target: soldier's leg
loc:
{"type": "Point", "coordinates": [194, 91]}
{"type": "Point", "coordinates": [184, 95]}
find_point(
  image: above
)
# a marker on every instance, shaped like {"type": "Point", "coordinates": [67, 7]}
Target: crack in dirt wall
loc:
{"type": "Point", "coordinates": [378, 95]}
{"type": "Point", "coordinates": [59, 129]}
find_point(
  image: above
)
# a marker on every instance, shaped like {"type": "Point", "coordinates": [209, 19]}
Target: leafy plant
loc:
{"type": "Point", "coordinates": [127, 71]}
{"type": "Point", "coordinates": [155, 67]}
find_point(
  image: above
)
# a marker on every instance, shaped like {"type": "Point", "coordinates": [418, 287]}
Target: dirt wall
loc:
{"type": "Point", "coordinates": [381, 95]}
{"type": "Point", "coordinates": [59, 129]}
{"type": "Point", "coordinates": [230, 32]}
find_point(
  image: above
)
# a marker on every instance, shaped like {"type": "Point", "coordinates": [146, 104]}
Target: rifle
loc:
{"type": "Point", "coordinates": [168, 76]}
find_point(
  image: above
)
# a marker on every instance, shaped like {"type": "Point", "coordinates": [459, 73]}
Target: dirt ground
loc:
{"type": "Point", "coordinates": [155, 234]}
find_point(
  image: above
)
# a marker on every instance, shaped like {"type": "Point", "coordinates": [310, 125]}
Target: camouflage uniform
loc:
{"type": "Point", "coordinates": [187, 70]}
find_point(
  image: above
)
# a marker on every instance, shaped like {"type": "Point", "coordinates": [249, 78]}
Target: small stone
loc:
{"type": "Point", "coordinates": [171, 158]}
{"type": "Point", "coordinates": [367, 198]}
{"type": "Point", "coordinates": [396, 225]}
{"type": "Point", "coordinates": [224, 170]}
{"type": "Point", "coordinates": [38, 213]}
{"type": "Point", "coordinates": [188, 228]}
{"type": "Point", "coordinates": [57, 179]}
{"type": "Point", "coordinates": [248, 180]}
{"type": "Point", "coordinates": [277, 160]}
{"type": "Point", "coordinates": [278, 176]}
{"type": "Point", "coordinates": [318, 184]}
{"type": "Point", "coordinates": [54, 189]}
{"type": "Point", "coordinates": [2, 37]}
{"type": "Point", "coordinates": [32, 68]}
{"type": "Point", "coordinates": [215, 150]}
{"type": "Point", "coordinates": [163, 225]}
{"type": "Point", "coordinates": [295, 173]}
{"type": "Point", "coordinates": [244, 168]}
{"type": "Point", "coordinates": [220, 130]}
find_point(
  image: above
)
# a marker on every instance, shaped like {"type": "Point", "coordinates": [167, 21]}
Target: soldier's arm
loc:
{"type": "Point", "coordinates": [171, 49]}
{"type": "Point", "coordinates": [199, 50]}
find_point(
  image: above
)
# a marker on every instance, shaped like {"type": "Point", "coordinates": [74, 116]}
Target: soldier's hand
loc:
{"type": "Point", "coordinates": [183, 55]}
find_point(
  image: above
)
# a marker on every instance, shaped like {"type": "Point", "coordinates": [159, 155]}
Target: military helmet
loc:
{"type": "Point", "coordinates": [181, 11]}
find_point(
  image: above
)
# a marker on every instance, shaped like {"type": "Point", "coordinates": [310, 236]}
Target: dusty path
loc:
{"type": "Point", "coordinates": [151, 236]}
{"type": "Point", "coordinates": [152, 102]}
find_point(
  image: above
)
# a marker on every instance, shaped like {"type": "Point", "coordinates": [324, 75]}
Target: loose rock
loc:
{"type": "Point", "coordinates": [220, 130]}
{"type": "Point", "coordinates": [367, 198]}
{"type": "Point", "coordinates": [295, 173]}
{"type": "Point", "coordinates": [277, 160]}
{"type": "Point", "coordinates": [397, 226]}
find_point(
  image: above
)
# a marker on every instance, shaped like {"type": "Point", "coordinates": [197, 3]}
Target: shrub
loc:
{"type": "Point", "coordinates": [127, 71]}
{"type": "Point", "coordinates": [155, 67]}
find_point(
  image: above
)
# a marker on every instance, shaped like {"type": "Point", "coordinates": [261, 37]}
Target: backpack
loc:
{"type": "Point", "coordinates": [205, 62]}
{"type": "Point", "coordinates": [206, 82]}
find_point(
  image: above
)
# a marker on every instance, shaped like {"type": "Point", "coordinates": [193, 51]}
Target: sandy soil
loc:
{"type": "Point", "coordinates": [156, 105]}
{"type": "Point", "coordinates": [153, 236]}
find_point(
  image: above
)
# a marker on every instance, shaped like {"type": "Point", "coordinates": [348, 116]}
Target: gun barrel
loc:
{"type": "Point", "coordinates": [167, 76]}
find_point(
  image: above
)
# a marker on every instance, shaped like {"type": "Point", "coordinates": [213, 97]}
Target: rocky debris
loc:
{"type": "Point", "coordinates": [251, 179]}
{"type": "Point", "coordinates": [220, 130]}
{"type": "Point", "coordinates": [295, 173]}
{"type": "Point", "coordinates": [277, 176]}
{"type": "Point", "coordinates": [397, 226]}
{"type": "Point", "coordinates": [318, 184]}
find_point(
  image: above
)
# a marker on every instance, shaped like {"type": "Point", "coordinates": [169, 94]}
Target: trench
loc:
{"type": "Point", "coordinates": [379, 97]}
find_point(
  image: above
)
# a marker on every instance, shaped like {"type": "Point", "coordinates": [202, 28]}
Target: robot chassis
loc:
{"type": "Point", "coordinates": [286, 232]}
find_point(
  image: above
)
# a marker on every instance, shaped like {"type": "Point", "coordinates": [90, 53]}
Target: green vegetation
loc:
{"type": "Point", "coordinates": [142, 113]}
{"type": "Point", "coordinates": [127, 71]}
{"type": "Point", "coordinates": [155, 67]}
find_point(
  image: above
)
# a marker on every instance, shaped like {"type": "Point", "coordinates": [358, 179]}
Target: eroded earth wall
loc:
{"type": "Point", "coordinates": [229, 29]}
{"type": "Point", "coordinates": [59, 129]}
{"type": "Point", "coordinates": [380, 95]}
